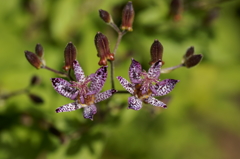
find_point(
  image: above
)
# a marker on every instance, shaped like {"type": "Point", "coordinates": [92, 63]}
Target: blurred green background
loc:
{"type": "Point", "coordinates": [203, 115]}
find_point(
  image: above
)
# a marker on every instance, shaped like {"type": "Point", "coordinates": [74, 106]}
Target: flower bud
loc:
{"type": "Point", "coordinates": [211, 16]}
{"type": "Point", "coordinates": [156, 52]}
{"type": "Point", "coordinates": [102, 46]}
{"type": "Point", "coordinates": [176, 8]}
{"type": "Point", "coordinates": [39, 50]}
{"type": "Point", "coordinates": [35, 80]}
{"type": "Point", "coordinates": [193, 60]}
{"type": "Point", "coordinates": [70, 54]}
{"type": "Point", "coordinates": [35, 98]}
{"type": "Point", "coordinates": [188, 53]}
{"type": "Point", "coordinates": [33, 59]}
{"type": "Point", "coordinates": [127, 17]}
{"type": "Point", "coordinates": [105, 16]}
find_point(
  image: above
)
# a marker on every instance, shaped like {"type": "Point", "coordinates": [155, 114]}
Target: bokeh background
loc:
{"type": "Point", "coordinates": [203, 115]}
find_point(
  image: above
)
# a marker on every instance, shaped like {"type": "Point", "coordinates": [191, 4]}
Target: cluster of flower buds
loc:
{"type": "Point", "coordinates": [190, 59]}
{"type": "Point", "coordinates": [36, 59]}
{"type": "Point", "coordinates": [70, 54]}
{"type": "Point", "coordinates": [156, 52]}
{"type": "Point", "coordinates": [127, 17]}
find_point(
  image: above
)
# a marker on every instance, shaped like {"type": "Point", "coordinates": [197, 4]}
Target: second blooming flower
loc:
{"type": "Point", "coordinates": [145, 85]}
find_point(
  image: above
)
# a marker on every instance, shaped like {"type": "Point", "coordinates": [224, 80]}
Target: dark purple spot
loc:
{"type": "Point", "coordinates": [57, 110]}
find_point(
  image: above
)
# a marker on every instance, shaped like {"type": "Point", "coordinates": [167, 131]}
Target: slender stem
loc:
{"type": "Point", "coordinates": [115, 27]}
{"type": "Point", "coordinates": [59, 73]}
{"type": "Point", "coordinates": [69, 75]}
{"type": "Point", "coordinates": [112, 75]}
{"type": "Point", "coordinates": [122, 92]}
{"type": "Point", "coordinates": [120, 35]}
{"type": "Point", "coordinates": [167, 70]}
{"type": "Point", "coordinates": [6, 96]}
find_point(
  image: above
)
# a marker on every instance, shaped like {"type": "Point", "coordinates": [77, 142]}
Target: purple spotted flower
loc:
{"type": "Point", "coordinates": [145, 85]}
{"type": "Point", "coordinates": [84, 91]}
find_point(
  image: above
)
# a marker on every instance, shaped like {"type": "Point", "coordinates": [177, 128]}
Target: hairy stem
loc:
{"type": "Point", "coordinates": [167, 70]}
{"type": "Point", "coordinates": [59, 73]}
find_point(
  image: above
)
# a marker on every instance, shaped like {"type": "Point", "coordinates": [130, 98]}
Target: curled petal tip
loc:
{"type": "Point", "coordinates": [113, 91]}
{"type": "Point", "coordinates": [57, 110]}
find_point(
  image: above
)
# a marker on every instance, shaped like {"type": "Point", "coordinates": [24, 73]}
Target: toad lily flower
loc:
{"type": "Point", "coordinates": [145, 85]}
{"type": "Point", "coordinates": [84, 94]}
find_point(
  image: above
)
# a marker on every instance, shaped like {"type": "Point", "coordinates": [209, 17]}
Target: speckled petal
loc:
{"type": "Point", "coordinates": [128, 86]}
{"type": "Point", "coordinates": [135, 70]}
{"type": "Point", "coordinates": [89, 111]}
{"type": "Point", "coordinates": [98, 80]}
{"type": "Point", "coordinates": [134, 103]}
{"type": "Point", "coordinates": [68, 107]}
{"type": "Point", "coordinates": [153, 101]}
{"type": "Point", "coordinates": [163, 87]}
{"type": "Point", "coordinates": [78, 71]}
{"type": "Point", "coordinates": [104, 95]}
{"type": "Point", "coordinates": [63, 87]}
{"type": "Point", "coordinates": [154, 70]}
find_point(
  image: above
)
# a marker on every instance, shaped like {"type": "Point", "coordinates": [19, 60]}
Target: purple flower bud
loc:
{"type": "Point", "coordinates": [102, 46]}
{"type": "Point", "coordinates": [70, 54]}
{"type": "Point", "coordinates": [105, 16]}
{"type": "Point", "coordinates": [193, 60]}
{"type": "Point", "coordinates": [39, 50]}
{"type": "Point", "coordinates": [33, 59]}
{"type": "Point", "coordinates": [156, 52]}
{"type": "Point", "coordinates": [127, 17]}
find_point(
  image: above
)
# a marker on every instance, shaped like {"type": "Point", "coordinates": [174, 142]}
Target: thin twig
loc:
{"type": "Point", "coordinates": [167, 70]}
{"type": "Point", "coordinates": [112, 75]}
{"type": "Point", "coordinates": [6, 96]}
{"type": "Point", "coordinates": [59, 73]}
{"type": "Point", "coordinates": [122, 92]}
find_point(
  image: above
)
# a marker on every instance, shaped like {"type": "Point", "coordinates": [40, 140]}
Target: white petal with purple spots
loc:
{"type": "Point", "coordinates": [154, 70]}
{"type": "Point", "coordinates": [98, 80]}
{"type": "Point", "coordinates": [163, 87]}
{"type": "Point", "coordinates": [128, 86]}
{"type": "Point", "coordinates": [135, 71]}
{"type": "Point", "coordinates": [68, 107]}
{"type": "Point", "coordinates": [63, 87]}
{"type": "Point", "coordinates": [134, 103]}
{"type": "Point", "coordinates": [153, 101]}
{"type": "Point", "coordinates": [78, 71]}
{"type": "Point", "coordinates": [104, 95]}
{"type": "Point", "coordinates": [89, 111]}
